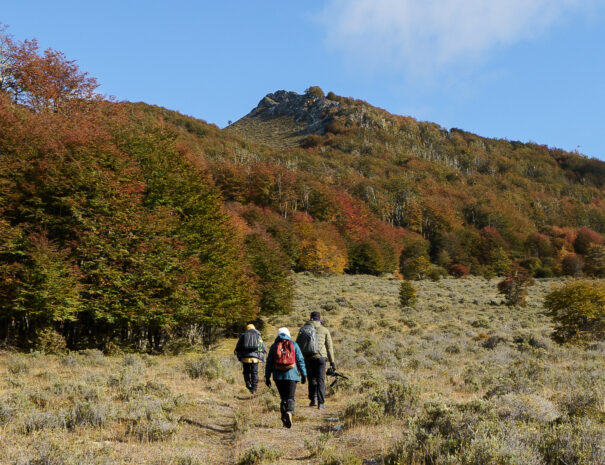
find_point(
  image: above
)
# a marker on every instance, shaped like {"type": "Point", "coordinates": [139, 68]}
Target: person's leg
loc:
{"type": "Point", "coordinates": [247, 374]}
{"type": "Point", "coordinates": [321, 382]}
{"type": "Point", "coordinates": [253, 377]}
{"type": "Point", "coordinates": [312, 374]}
{"type": "Point", "coordinates": [291, 392]}
{"type": "Point", "coordinates": [284, 390]}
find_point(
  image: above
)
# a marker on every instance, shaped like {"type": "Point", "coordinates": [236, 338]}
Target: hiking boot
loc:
{"type": "Point", "coordinates": [287, 420]}
{"type": "Point", "coordinates": [313, 402]}
{"type": "Point", "coordinates": [321, 406]}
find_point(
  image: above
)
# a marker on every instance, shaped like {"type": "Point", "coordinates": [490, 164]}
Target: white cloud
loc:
{"type": "Point", "coordinates": [428, 34]}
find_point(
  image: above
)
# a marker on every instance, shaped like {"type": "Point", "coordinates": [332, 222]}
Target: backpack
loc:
{"type": "Point", "coordinates": [250, 342]}
{"type": "Point", "coordinates": [307, 340]}
{"type": "Point", "coordinates": [285, 355]}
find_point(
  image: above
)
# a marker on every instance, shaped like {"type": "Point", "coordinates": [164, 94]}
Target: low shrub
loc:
{"type": "Point", "coordinates": [36, 420]}
{"type": "Point", "coordinates": [578, 443]}
{"type": "Point", "coordinates": [50, 341]}
{"type": "Point", "coordinates": [89, 413]}
{"type": "Point", "coordinates": [18, 365]}
{"type": "Point", "coordinates": [528, 407]}
{"type": "Point", "coordinates": [157, 429]}
{"type": "Point", "coordinates": [207, 367]}
{"type": "Point", "coordinates": [242, 420]}
{"type": "Point", "coordinates": [93, 357]}
{"type": "Point", "coordinates": [387, 399]}
{"type": "Point", "coordinates": [7, 412]}
{"type": "Point", "coordinates": [258, 455]}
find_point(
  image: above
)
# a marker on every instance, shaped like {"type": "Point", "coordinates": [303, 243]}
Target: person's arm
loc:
{"type": "Point", "coordinates": [269, 364]}
{"type": "Point", "coordinates": [238, 346]}
{"type": "Point", "coordinates": [330, 347]}
{"type": "Point", "coordinates": [300, 360]}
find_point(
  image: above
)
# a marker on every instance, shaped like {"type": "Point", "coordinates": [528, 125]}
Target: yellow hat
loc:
{"type": "Point", "coordinates": [250, 326]}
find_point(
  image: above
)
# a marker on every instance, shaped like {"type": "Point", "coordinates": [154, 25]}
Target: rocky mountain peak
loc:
{"type": "Point", "coordinates": [307, 108]}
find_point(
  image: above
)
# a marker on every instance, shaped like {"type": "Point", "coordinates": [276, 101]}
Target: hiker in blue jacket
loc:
{"type": "Point", "coordinates": [287, 364]}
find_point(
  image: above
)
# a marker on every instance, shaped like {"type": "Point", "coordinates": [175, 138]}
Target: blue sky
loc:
{"type": "Point", "coordinates": [528, 70]}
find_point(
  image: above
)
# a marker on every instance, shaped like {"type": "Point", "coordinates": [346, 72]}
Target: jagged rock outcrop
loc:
{"type": "Point", "coordinates": [305, 108]}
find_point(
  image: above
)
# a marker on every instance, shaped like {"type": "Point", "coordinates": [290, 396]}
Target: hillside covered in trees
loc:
{"type": "Point", "coordinates": [130, 224]}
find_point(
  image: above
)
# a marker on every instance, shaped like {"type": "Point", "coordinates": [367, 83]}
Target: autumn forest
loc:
{"type": "Point", "coordinates": [126, 224]}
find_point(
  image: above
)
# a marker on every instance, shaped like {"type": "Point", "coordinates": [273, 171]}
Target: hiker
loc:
{"type": "Point", "coordinates": [315, 342]}
{"type": "Point", "coordinates": [250, 350]}
{"type": "Point", "coordinates": [285, 361]}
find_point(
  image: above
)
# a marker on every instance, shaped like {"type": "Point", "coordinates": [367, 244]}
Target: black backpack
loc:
{"type": "Point", "coordinates": [307, 340]}
{"type": "Point", "coordinates": [250, 342]}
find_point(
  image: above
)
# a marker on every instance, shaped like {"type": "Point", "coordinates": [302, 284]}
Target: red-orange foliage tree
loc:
{"type": "Point", "coordinates": [45, 81]}
{"type": "Point", "coordinates": [585, 238]}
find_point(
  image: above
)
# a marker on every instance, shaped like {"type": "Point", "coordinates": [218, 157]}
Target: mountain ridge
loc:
{"type": "Point", "coordinates": [286, 119]}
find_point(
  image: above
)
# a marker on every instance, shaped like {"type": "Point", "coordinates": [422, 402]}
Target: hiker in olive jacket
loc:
{"type": "Point", "coordinates": [250, 356]}
{"type": "Point", "coordinates": [285, 379]}
{"type": "Point", "coordinates": [316, 362]}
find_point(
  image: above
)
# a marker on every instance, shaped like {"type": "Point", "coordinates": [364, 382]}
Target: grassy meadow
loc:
{"type": "Point", "coordinates": [458, 379]}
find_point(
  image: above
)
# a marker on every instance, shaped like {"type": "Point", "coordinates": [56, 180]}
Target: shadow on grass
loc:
{"type": "Point", "coordinates": [208, 427]}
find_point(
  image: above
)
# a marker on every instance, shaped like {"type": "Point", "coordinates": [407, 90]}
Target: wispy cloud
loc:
{"type": "Point", "coordinates": [425, 35]}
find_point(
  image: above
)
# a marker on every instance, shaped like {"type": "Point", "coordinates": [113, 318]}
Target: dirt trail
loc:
{"type": "Point", "coordinates": [296, 445]}
{"type": "Point", "coordinates": [229, 422]}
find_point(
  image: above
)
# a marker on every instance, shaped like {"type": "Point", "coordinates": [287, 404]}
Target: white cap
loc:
{"type": "Point", "coordinates": [284, 330]}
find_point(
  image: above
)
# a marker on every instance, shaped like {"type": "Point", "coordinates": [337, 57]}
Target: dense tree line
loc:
{"type": "Point", "coordinates": [110, 231]}
{"type": "Point", "coordinates": [131, 224]}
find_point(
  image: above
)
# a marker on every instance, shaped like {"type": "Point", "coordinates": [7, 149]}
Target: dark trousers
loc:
{"type": "Point", "coordinates": [316, 372]}
{"type": "Point", "coordinates": [251, 376]}
{"type": "Point", "coordinates": [286, 389]}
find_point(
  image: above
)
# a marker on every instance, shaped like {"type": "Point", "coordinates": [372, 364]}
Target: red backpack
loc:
{"type": "Point", "coordinates": [285, 356]}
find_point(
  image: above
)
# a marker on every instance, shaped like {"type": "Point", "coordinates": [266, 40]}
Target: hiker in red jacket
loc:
{"type": "Point", "coordinates": [285, 361]}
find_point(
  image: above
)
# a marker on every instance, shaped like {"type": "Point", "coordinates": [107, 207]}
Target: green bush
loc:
{"type": "Point", "coordinates": [51, 342]}
{"type": "Point", "coordinates": [578, 311]}
{"type": "Point", "coordinates": [315, 91]}
{"type": "Point", "coordinates": [407, 294]}
{"type": "Point", "coordinates": [435, 273]}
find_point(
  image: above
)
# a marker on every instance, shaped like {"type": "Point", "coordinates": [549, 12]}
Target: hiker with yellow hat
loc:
{"type": "Point", "coordinates": [250, 350]}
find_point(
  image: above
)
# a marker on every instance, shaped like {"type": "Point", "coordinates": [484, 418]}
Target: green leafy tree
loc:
{"type": "Point", "coordinates": [414, 262]}
{"type": "Point", "coordinates": [595, 261]}
{"type": "Point", "coordinates": [578, 311]}
{"type": "Point", "coordinates": [407, 294]}
{"type": "Point", "coordinates": [366, 258]}
{"type": "Point", "coordinates": [271, 267]}
{"type": "Point", "coordinates": [48, 292]}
